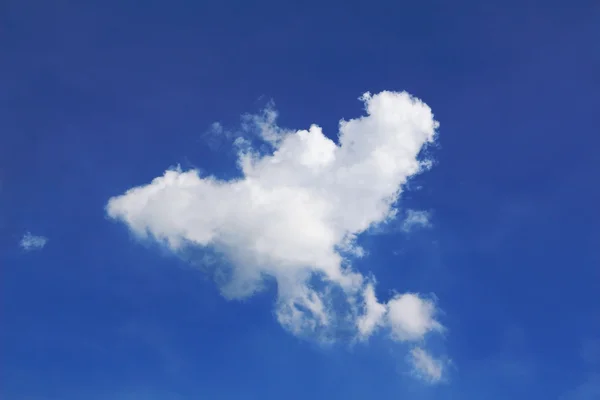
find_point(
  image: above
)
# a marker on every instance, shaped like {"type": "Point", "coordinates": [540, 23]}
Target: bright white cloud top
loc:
{"type": "Point", "coordinates": [31, 242]}
{"type": "Point", "coordinates": [294, 215]}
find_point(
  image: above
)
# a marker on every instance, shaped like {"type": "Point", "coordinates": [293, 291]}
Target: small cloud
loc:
{"type": "Point", "coordinates": [216, 136]}
{"type": "Point", "coordinates": [425, 366]}
{"type": "Point", "coordinates": [408, 317]}
{"type": "Point", "coordinates": [412, 317]}
{"type": "Point", "coordinates": [415, 219]}
{"type": "Point", "coordinates": [31, 242]}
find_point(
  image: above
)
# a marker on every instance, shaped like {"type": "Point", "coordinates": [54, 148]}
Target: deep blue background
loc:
{"type": "Point", "coordinates": [96, 97]}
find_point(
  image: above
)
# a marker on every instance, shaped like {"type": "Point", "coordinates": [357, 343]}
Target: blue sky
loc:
{"type": "Point", "coordinates": [496, 280]}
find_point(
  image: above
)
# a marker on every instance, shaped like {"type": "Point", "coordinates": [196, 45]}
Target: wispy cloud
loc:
{"type": "Point", "coordinates": [416, 219]}
{"type": "Point", "coordinates": [589, 388]}
{"type": "Point", "coordinates": [425, 366]}
{"type": "Point", "coordinates": [31, 242]}
{"type": "Point", "coordinates": [295, 214]}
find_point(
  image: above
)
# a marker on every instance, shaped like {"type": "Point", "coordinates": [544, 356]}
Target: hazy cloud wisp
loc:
{"type": "Point", "coordinates": [416, 219]}
{"type": "Point", "coordinates": [31, 242]}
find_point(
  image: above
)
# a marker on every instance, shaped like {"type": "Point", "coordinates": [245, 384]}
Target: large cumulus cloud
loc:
{"type": "Point", "coordinates": [293, 217]}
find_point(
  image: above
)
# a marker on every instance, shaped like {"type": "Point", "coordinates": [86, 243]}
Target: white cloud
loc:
{"type": "Point", "coordinates": [31, 242]}
{"type": "Point", "coordinates": [374, 313]}
{"type": "Point", "coordinates": [294, 214]}
{"type": "Point", "coordinates": [425, 366]}
{"type": "Point", "coordinates": [415, 219]}
{"type": "Point", "coordinates": [411, 317]}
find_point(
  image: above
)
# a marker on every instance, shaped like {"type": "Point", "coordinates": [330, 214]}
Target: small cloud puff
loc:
{"type": "Point", "coordinates": [31, 242]}
{"type": "Point", "coordinates": [425, 366]}
{"type": "Point", "coordinates": [416, 219]}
